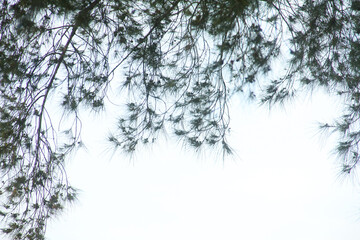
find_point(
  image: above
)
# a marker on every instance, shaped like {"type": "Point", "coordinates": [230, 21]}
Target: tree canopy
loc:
{"type": "Point", "coordinates": [178, 62]}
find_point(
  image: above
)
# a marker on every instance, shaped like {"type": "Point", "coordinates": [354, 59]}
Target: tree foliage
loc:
{"type": "Point", "coordinates": [179, 62]}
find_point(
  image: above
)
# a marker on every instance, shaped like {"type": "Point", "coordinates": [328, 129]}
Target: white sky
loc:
{"type": "Point", "coordinates": [283, 184]}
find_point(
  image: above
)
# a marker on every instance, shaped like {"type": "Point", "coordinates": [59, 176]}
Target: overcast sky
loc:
{"type": "Point", "coordinates": [282, 184]}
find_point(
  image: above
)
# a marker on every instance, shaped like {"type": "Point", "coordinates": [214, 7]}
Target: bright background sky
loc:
{"type": "Point", "coordinates": [282, 184]}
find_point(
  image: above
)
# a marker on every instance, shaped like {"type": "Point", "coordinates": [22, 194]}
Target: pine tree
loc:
{"type": "Point", "coordinates": [179, 62]}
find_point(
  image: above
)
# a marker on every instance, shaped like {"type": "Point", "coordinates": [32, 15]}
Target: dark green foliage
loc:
{"type": "Point", "coordinates": [179, 62]}
{"type": "Point", "coordinates": [325, 51]}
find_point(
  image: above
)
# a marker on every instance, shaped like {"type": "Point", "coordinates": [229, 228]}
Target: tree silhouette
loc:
{"type": "Point", "coordinates": [179, 62]}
